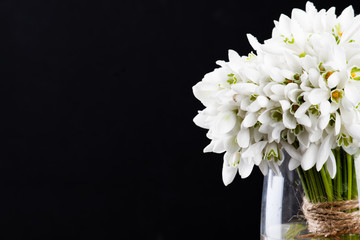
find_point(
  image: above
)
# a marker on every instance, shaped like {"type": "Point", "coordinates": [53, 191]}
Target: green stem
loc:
{"type": "Point", "coordinates": [327, 185]}
{"type": "Point", "coordinates": [344, 175]}
{"type": "Point", "coordinates": [354, 184]}
{"type": "Point", "coordinates": [338, 175]}
{"type": "Point", "coordinates": [349, 171]}
{"type": "Point", "coordinates": [304, 183]}
{"type": "Point", "coordinates": [318, 193]}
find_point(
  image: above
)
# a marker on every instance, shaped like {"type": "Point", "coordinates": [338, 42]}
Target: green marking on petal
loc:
{"type": "Point", "coordinates": [299, 128]}
{"type": "Point", "coordinates": [355, 73]}
{"type": "Point", "coordinates": [232, 79]}
{"type": "Point", "coordinates": [336, 95]}
{"type": "Point", "coordinates": [344, 139]}
{"type": "Point", "coordinates": [321, 68]}
{"type": "Point", "coordinates": [314, 109]}
{"type": "Point", "coordinates": [253, 97]}
{"type": "Point", "coordinates": [302, 55]}
{"type": "Point", "coordinates": [332, 119]}
{"type": "Point", "coordinates": [287, 40]}
{"type": "Point", "coordinates": [277, 114]}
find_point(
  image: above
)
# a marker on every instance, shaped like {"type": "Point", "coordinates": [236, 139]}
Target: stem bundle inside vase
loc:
{"type": "Point", "coordinates": [319, 187]}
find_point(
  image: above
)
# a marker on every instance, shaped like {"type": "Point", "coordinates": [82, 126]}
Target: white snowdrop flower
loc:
{"type": "Point", "coordinates": [274, 156]}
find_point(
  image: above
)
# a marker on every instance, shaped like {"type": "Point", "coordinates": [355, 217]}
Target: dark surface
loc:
{"type": "Point", "coordinates": [97, 133]}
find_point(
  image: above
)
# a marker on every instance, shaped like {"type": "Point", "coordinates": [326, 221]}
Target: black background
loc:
{"type": "Point", "coordinates": [97, 138]}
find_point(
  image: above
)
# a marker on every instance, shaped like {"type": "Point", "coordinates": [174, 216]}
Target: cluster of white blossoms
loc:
{"type": "Point", "coordinates": [299, 92]}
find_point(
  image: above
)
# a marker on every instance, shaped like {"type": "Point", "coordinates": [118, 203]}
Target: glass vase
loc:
{"type": "Point", "coordinates": [282, 210]}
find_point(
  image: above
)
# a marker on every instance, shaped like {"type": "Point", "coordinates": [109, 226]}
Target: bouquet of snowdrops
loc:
{"type": "Point", "coordinates": [298, 92]}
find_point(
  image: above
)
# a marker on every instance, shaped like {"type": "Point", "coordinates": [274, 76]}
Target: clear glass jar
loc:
{"type": "Point", "coordinates": [281, 204]}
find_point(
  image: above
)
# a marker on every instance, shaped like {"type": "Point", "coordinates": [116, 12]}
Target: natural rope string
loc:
{"type": "Point", "coordinates": [331, 219]}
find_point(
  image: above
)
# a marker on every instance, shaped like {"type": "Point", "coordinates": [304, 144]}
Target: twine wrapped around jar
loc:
{"type": "Point", "coordinates": [331, 219]}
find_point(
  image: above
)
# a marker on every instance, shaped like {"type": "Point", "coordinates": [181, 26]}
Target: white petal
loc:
{"type": "Point", "coordinates": [293, 62]}
{"type": "Point", "coordinates": [333, 80]}
{"type": "Point", "coordinates": [322, 83]}
{"type": "Point", "coordinates": [245, 168]}
{"type": "Point", "coordinates": [334, 106]}
{"type": "Point", "coordinates": [339, 58]}
{"type": "Point", "coordinates": [323, 121]}
{"type": "Point", "coordinates": [265, 117]}
{"type": "Point", "coordinates": [293, 164]}
{"type": "Point", "coordinates": [291, 138]}
{"type": "Point", "coordinates": [262, 100]}
{"type": "Point", "coordinates": [200, 120]}
{"type": "Point", "coordinates": [290, 87]}
{"type": "Point", "coordinates": [244, 88]}
{"type": "Point", "coordinates": [317, 96]}
{"type": "Point", "coordinates": [302, 18]}
{"type": "Point", "coordinates": [289, 120]}
{"type": "Point", "coordinates": [278, 89]}
{"type": "Point", "coordinates": [337, 123]}
{"type": "Point", "coordinates": [263, 166]}
{"type": "Point", "coordinates": [304, 120]}
{"type": "Point", "coordinates": [257, 135]}
{"type": "Point", "coordinates": [302, 109]}
{"type": "Point", "coordinates": [331, 165]}
{"type": "Point", "coordinates": [346, 17]}
{"type": "Point", "coordinates": [257, 159]}
{"type": "Point", "coordinates": [204, 92]}
{"type": "Point", "coordinates": [351, 31]}
{"type": "Point", "coordinates": [351, 150]}
{"type": "Point", "coordinates": [310, 8]}
{"type": "Point", "coordinates": [346, 105]}
{"type": "Point", "coordinates": [314, 76]}
{"type": "Point", "coordinates": [228, 172]}
{"type": "Point", "coordinates": [354, 61]}
{"type": "Point", "coordinates": [253, 42]}
{"type": "Point", "coordinates": [316, 135]}
{"type": "Point", "coordinates": [225, 122]}
{"type": "Point", "coordinates": [285, 105]}
{"type": "Point", "coordinates": [231, 145]}
{"type": "Point", "coordinates": [254, 107]}
{"type": "Point", "coordinates": [291, 151]}
{"type": "Point", "coordinates": [252, 74]}
{"type": "Point", "coordinates": [249, 120]}
{"type": "Point", "coordinates": [233, 56]}
{"type": "Point", "coordinates": [351, 91]}
{"type": "Point", "coordinates": [324, 151]}
{"type": "Point", "coordinates": [218, 146]}
{"type": "Point", "coordinates": [325, 108]}
{"type": "Point", "coordinates": [284, 24]}
{"type": "Point", "coordinates": [354, 131]}
{"type": "Point", "coordinates": [265, 129]}
{"type": "Point", "coordinates": [303, 138]}
{"type": "Point", "coordinates": [309, 158]}
{"type": "Point", "coordinates": [275, 168]}
{"type": "Point", "coordinates": [243, 138]}
{"type": "Point", "coordinates": [308, 63]}
{"type": "Point", "coordinates": [210, 147]}
{"type": "Point", "coordinates": [254, 149]}
{"type": "Point", "coordinates": [293, 94]}
{"type": "Point", "coordinates": [245, 104]}
{"type": "Point", "coordinates": [276, 75]}
{"type": "Point", "coordinates": [276, 132]}
{"type": "Point", "coordinates": [325, 114]}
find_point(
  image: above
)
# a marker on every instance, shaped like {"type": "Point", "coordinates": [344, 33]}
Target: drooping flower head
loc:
{"type": "Point", "coordinates": [299, 91]}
